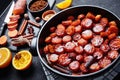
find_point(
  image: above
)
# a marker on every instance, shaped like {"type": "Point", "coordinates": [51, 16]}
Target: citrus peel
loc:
{"type": "Point", "coordinates": [22, 60]}
{"type": "Point", "coordinates": [64, 4]}
{"type": "Point", "coordinates": [5, 57]}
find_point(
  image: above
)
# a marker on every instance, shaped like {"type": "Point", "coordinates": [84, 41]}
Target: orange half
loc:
{"type": "Point", "coordinates": [22, 60]}
{"type": "Point", "coordinates": [5, 57]}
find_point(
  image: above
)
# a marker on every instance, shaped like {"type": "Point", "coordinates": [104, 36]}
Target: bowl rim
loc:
{"type": "Point", "coordinates": [28, 6]}
{"type": "Point", "coordinates": [48, 12]}
{"type": "Point", "coordinates": [75, 76]}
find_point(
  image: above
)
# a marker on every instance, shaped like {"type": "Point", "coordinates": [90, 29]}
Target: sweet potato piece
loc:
{"type": "Point", "coordinates": [103, 34]}
{"type": "Point", "coordinates": [90, 15]}
{"type": "Point", "coordinates": [53, 35]}
{"type": "Point", "coordinates": [113, 29]}
{"type": "Point", "coordinates": [11, 23]}
{"type": "Point", "coordinates": [76, 22]}
{"type": "Point", "coordinates": [12, 27]}
{"type": "Point", "coordinates": [14, 17]}
{"type": "Point", "coordinates": [3, 40]}
{"type": "Point", "coordinates": [13, 33]}
{"type": "Point", "coordinates": [48, 39]}
{"type": "Point", "coordinates": [67, 23]}
{"type": "Point", "coordinates": [19, 7]}
{"type": "Point", "coordinates": [97, 17]}
{"type": "Point", "coordinates": [81, 16]}
{"type": "Point", "coordinates": [71, 18]}
{"type": "Point", "coordinates": [51, 48]}
{"type": "Point", "coordinates": [112, 36]}
{"type": "Point", "coordinates": [112, 23]}
{"type": "Point", "coordinates": [104, 21]}
{"type": "Point", "coordinates": [70, 30]}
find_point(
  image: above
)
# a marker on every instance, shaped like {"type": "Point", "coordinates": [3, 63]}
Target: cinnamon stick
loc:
{"type": "Point", "coordinates": [27, 35]}
{"type": "Point", "coordinates": [33, 23]}
{"type": "Point", "coordinates": [22, 27]}
{"type": "Point", "coordinates": [87, 65]}
{"type": "Point", "coordinates": [62, 69]}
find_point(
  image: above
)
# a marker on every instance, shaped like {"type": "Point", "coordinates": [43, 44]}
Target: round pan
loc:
{"type": "Point", "coordinates": [62, 15]}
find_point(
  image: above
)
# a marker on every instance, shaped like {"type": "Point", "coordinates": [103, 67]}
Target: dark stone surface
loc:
{"type": "Point", "coordinates": [35, 72]}
{"type": "Point", "coordinates": [112, 5]}
{"type": "Point", "coordinates": [3, 5]}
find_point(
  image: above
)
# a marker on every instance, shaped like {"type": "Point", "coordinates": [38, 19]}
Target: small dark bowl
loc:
{"type": "Point", "coordinates": [39, 12]}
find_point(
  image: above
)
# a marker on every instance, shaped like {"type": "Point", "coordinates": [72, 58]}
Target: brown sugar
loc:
{"type": "Point", "coordinates": [38, 5]}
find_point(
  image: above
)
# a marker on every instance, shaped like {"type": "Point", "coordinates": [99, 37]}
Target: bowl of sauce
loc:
{"type": "Point", "coordinates": [48, 14]}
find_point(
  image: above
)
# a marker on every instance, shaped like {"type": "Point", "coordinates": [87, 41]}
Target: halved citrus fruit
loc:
{"type": "Point", "coordinates": [64, 4]}
{"type": "Point", "coordinates": [22, 60]}
{"type": "Point", "coordinates": [5, 57]}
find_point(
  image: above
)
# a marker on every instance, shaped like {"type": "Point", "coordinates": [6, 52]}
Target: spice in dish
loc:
{"type": "Point", "coordinates": [38, 5]}
{"type": "Point", "coordinates": [48, 14]}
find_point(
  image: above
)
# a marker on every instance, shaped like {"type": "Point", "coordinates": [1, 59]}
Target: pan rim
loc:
{"type": "Point", "coordinates": [76, 76]}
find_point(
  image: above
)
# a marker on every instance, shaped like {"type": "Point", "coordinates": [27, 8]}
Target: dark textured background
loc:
{"type": "Point", "coordinates": [35, 72]}
{"type": "Point", "coordinates": [112, 5]}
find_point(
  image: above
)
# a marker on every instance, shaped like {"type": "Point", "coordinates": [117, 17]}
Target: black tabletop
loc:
{"type": "Point", "coordinates": [36, 72]}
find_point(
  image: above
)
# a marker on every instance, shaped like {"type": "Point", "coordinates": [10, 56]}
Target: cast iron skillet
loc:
{"type": "Point", "coordinates": [62, 15]}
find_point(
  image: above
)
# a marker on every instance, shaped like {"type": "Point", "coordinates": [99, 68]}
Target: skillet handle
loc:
{"type": "Point", "coordinates": [47, 72]}
{"type": "Point", "coordinates": [33, 46]}
{"type": "Point", "coordinates": [119, 58]}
